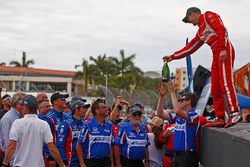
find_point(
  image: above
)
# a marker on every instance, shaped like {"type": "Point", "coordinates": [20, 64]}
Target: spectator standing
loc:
{"type": "Point", "coordinates": [43, 108]}
{"type": "Point", "coordinates": [68, 132]}
{"type": "Point", "coordinates": [131, 143]}
{"type": "Point", "coordinates": [186, 125]}
{"type": "Point", "coordinates": [27, 136]}
{"type": "Point", "coordinates": [155, 149]}
{"type": "Point", "coordinates": [54, 117]}
{"type": "Point", "coordinates": [6, 99]}
{"type": "Point", "coordinates": [94, 142]}
{"type": "Point", "coordinates": [41, 96]}
{"type": "Point", "coordinates": [6, 122]}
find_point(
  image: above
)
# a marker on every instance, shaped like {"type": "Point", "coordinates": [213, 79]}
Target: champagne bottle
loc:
{"type": "Point", "coordinates": [165, 73]}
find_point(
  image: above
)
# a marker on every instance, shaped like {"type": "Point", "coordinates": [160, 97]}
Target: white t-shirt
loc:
{"type": "Point", "coordinates": [155, 155]}
{"type": "Point", "coordinates": [30, 133]}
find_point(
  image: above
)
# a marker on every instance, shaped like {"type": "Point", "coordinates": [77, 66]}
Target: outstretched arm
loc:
{"type": "Point", "coordinates": [177, 107]}
{"type": "Point", "coordinates": [159, 109]}
{"type": "Point", "coordinates": [190, 48]}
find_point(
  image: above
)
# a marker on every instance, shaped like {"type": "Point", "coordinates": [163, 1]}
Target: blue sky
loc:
{"type": "Point", "coordinates": [58, 34]}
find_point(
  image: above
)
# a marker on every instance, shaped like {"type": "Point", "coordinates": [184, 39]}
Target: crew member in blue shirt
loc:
{"type": "Point", "coordinates": [186, 121]}
{"type": "Point", "coordinates": [131, 143]}
{"type": "Point", "coordinates": [94, 146]}
{"type": "Point", "coordinates": [68, 132]}
{"type": "Point", "coordinates": [54, 117]}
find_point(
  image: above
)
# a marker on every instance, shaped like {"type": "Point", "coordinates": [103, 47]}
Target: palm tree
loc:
{"type": "Point", "coordinates": [126, 64]}
{"type": "Point", "coordinates": [24, 63]}
{"type": "Point", "coordinates": [2, 64]}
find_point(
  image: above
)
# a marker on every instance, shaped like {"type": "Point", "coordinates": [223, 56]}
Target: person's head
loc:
{"type": "Point", "coordinates": [188, 101]}
{"type": "Point", "coordinates": [6, 100]}
{"type": "Point", "coordinates": [140, 104]}
{"type": "Point", "coordinates": [192, 16]}
{"type": "Point", "coordinates": [79, 108]}
{"type": "Point", "coordinates": [59, 101]}
{"type": "Point", "coordinates": [29, 105]}
{"type": "Point", "coordinates": [76, 98]}
{"type": "Point", "coordinates": [44, 107]}
{"type": "Point", "coordinates": [41, 96]}
{"type": "Point", "coordinates": [99, 108]}
{"type": "Point", "coordinates": [135, 113]}
{"type": "Point", "coordinates": [156, 125]}
{"type": "Point", "coordinates": [108, 112]}
{"type": "Point", "coordinates": [16, 101]}
{"type": "Point", "coordinates": [67, 107]}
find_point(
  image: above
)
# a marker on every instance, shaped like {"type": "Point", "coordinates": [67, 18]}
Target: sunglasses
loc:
{"type": "Point", "coordinates": [100, 100]}
{"type": "Point", "coordinates": [137, 114]}
{"type": "Point", "coordinates": [8, 98]}
{"type": "Point", "coordinates": [183, 99]}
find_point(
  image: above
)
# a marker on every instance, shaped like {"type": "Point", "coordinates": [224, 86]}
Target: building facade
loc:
{"type": "Point", "coordinates": [29, 79]}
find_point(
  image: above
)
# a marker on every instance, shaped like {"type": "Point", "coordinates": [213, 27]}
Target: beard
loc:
{"type": "Point", "coordinates": [135, 122]}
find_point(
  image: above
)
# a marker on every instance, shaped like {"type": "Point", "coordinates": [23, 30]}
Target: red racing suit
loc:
{"type": "Point", "coordinates": [212, 31]}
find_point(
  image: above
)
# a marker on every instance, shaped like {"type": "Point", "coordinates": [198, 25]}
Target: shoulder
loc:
{"type": "Point", "coordinates": [50, 114]}
{"type": "Point", "coordinates": [108, 122]}
{"type": "Point", "coordinates": [210, 15]}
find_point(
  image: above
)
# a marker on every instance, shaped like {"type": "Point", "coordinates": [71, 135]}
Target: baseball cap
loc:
{"type": "Point", "coordinates": [57, 95]}
{"type": "Point", "coordinates": [80, 103]}
{"type": "Point", "coordinates": [139, 103]}
{"type": "Point", "coordinates": [75, 98]}
{"type": "Point", "coordinates": [189, 12]}
{"type": "Point", "coordinates": [156, 121]}
{"type": "Point", "coordinates": [134, 109]}
{"type": "Point", "coordinates": [30, 101]}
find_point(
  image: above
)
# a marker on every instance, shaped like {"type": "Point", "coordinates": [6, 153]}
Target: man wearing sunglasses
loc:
{"type": "Point", "coordinates": [6, 105]}
{"type": "Point", "coordinates": [186, 125]}
{"type": "Point", "coordinates": [213, 32]}
{"type": "Point", "coordinates": [131, 143]}
{"type": "Point", "coordinates": [68, 132]}
{"type": "Point", "coordinates": [94, 142]}
{"type": "Point", "coordinates": [54, 117]}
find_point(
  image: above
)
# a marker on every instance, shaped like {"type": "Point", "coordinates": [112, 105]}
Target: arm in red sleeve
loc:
{"type": "Point", "coordinates": [190, 48]}
{"type": "Point", "coordinates": [216, 24]}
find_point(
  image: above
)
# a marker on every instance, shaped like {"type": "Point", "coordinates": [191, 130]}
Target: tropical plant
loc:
{"type": "Point", "coordinates": [24, 63]}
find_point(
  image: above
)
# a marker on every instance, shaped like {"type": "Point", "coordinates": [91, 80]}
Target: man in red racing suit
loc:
{"type": "Point", "coordinates": [212, 31]}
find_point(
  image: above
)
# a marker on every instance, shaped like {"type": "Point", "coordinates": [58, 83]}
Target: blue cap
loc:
{"type": "Point", "coordinates": [75, 98]}
{"type": "Point", "coordinates": [30, 101]}
{"type": "Point", "coordinates": [134, 109]}
{"type": "Point", "coordinates": [80, 103]}
{"type": "Point", "coordinates": [57, 95]}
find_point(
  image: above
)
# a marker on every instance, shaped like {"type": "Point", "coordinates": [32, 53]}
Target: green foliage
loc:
{"type": "Point", "coordinates": [121, 72]}
{"type": "Point", "coordinates": [24, 63]}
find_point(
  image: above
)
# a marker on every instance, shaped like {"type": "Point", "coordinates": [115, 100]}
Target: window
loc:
{"type": "Point", "coordinates": [7, 85]}
{"type": "Point", "coordinates": [48, 86]}
{"type": "Point", "coordinates": [20, 85]}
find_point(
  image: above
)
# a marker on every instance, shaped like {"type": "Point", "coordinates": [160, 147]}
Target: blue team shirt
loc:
{"type": "Point", "coordinates": [96, 139]}
{"type": "Point", "coordinates": [185, 131]}
{"type": "Point", "coordinates": [53, 118]}
{"type": "Point", "coordinates": [66, 139]}
{"type": "Point", "coordinates": [133, 144]}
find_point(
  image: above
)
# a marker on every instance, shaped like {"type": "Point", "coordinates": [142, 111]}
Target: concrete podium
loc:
{"type": "Point", "coordinates": [222, 147]}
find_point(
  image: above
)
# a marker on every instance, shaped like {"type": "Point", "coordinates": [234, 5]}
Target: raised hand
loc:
{"type": "Point", "coordinates": [170, 86]}
{"type": "Point", "coordinates": [162, 90]}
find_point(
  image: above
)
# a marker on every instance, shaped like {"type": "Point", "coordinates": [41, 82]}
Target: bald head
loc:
{"type": "Point", "coordinates": [41, 96]}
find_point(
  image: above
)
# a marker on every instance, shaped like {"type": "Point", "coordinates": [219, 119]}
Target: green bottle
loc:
{"type": "Point", "coordinates": [165, 73]}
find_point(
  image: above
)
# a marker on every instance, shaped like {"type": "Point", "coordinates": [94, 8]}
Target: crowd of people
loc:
{"type": "Point", "coordinates": [36, 131]}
